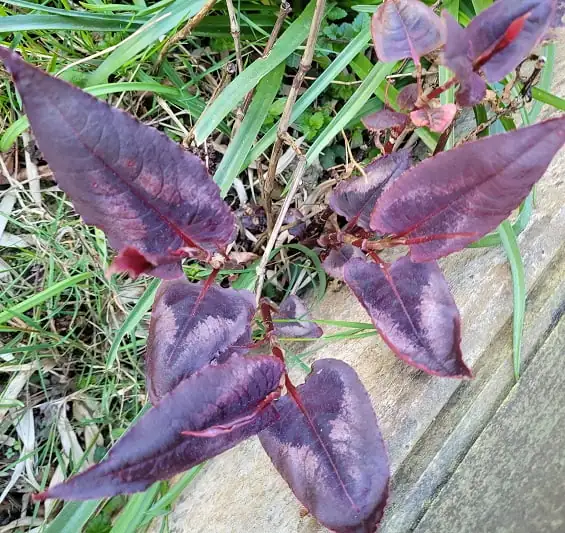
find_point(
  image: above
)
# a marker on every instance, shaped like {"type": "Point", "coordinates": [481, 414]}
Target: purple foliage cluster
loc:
{"type": "Point", "coordinates": [208, 386]}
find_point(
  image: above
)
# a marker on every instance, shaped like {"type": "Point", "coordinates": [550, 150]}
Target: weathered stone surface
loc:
{"type": "Point", "coordinates": [513, 478]}
{"type": "Point", "coordinates": [429, 423]}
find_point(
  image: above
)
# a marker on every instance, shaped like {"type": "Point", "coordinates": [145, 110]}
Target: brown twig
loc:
{"type": "Point", "coordinates": [295, 182]}
{"type": "Point", "coordinates": [305, 64]}
{"type": "Point", "coordinates": [283, 13]}
{"type": "Point", "coordinates": [235, 33]}
{"type": "Point", "coordinates": [184, 32]}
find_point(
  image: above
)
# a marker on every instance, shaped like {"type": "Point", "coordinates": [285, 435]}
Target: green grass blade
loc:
{"type": "Point", "coordinates": [167, 499]}
{"type": "Point", "coordinates": [230, 97]}
{"type": "Point", "coordinates": [322, 277]}
{"type": "Point", "coordinates": [377, 75]}
{"type": "Point", "coordinates": [35, 22]}
{"type": "Point", "coordinates": [73, 517]}
{"type": "Point", "coordinates": [481, 5]}
{"type": "Point", "coordinates": [72, 14]}
{"type": "Point", "coordinates": [134, 512]}
{"type": "Point", "coordinates": [161, 24]}
{"type": "Point", "coordinates": [42, 296]}
{"type": "Point", "coordinates": [547, 98]}
{"type": "Point", "coordinates": [241, 143]}
{"type": "Point", "coordinates": [356, 46]}
{"type": "Point", "coordinates": [512, 249]}
{"type": "Point", "coordinates": [132, 320]}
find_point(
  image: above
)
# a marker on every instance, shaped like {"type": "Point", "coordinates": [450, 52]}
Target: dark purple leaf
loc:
{"type": "Point", "coordinates": [332, 454]}
{"type": "Point", "coordinates": [405, 28]}
{"type": "Point", "coordinates": [497, 40]}
{"type": "Point", "coordinates": [448, 201]}
{"type": "Point", "coordinates": [154, 201]}
{"type": "Point", "coordinates": [217, 407]}
{"type": "Point", "coordinates": [385, 119]}
{"type": "Point", "coordinates": [354, 199]}
{"type": "Point", "coordinates": [412, 308]}
{"type": "Point", "coordinates": [501, 36]}
{"type": "Point", "coordinates": [437, 119]}
{"type": "Point", "coordinates": [408, 96]}
{"type": "Point", "coordinates": [456, 56]}
{"type": "Point", "coordinates": [336, 260]}
{"type": "Point", "coordinates": [183, 339]}
{"type": "Point", "coordinates": [293, 307]}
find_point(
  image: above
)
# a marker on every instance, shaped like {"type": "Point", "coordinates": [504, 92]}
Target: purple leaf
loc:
{"type": "Point", "coordinates": [154, 201]}
{"type": "Point", "coordinates": [448, 201]}
{"type": "Point", "coordinates": [183, 339]}
{"type": "Point", "coordinates": [293, 307]}
{"type": "Point", "coordinates": [331, 452]}
{"type": "Point", "coordinates": [496, 41]}
{"type": "Point", "coordinates": [336, 260]}
{"type": "Point", "coordinates": [501, 36]}
{"type": "Point", "coordinates": [412, 308]}
{"type": "Point", "coordinates": [472, 88]}
{"type": "Point", "coordinates": [437, 119]}
{"type": "Point", "coordinates": [405, 28]}
{"type": "Point", "coordinates": [384, 120]}
{"type": "Point", "coordinates": [217, 407]}
{"type": "Point", "coordinates": [354, 199]}
{"type": "Point", "coordinates": [408, 96]}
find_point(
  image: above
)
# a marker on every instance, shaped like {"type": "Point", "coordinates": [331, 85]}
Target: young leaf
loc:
{"type": "Point", "coordinates": [355, 199]}
{"type": "Point", "coordinates": [437, 119]}
{"type": "Point", "coordinates": [154, 201]}
{"type": "Point", "coordinates": [501, 36]}
{"type": "Point", "coordinates": [448, 201]}
{"type": "Point", "coordinates": [385, 119]}
{"type": "Point", "coordinates": [184, 338]}
{"type": "Point", "coordinates": [408, 96]}
{"type": "Point", "coordinates": [293, 307]}
{"type": "Point", "coordinates": [412, 308]}
{"type": "Point", "coordinates": [336, 260]}
{"type": "Point", "coordinates": [472, 88]}
{"type": "Point", "coordinates": [206, 414]}
{"type": "Point", "coordinates": [405, 28]}
{"type": "Point", "coordinates": [330, 450]}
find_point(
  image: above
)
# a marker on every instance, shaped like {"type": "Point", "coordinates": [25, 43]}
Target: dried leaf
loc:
{"type": "Point", "coordinates": [183, 339]}
{"type": "Point", "coordinates": [154, 201]}
{"type": "Point", "coordinates": [437, 119]}
{"type": "Point", "coordinates": [355, 199]}
{"type": "Point", "coordinates": [159, 444]}
{"type": "Point", "coordinates": [448, 201]}
{"type": "Point", "coordinates": [293, 307]}
{"type": "Point", "coordinates": [330, 451]}
{"type": "Point", "coordinates": [405, 28]}
{"type": "Point", "coordinates": [412, 308]}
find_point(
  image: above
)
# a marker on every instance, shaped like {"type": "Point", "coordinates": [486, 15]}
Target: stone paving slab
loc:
{"type": "Point", "coordinates": [513, 478]}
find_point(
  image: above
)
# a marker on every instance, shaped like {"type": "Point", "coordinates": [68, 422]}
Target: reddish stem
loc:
{"type": "Point", "coordinates": [208, 283]}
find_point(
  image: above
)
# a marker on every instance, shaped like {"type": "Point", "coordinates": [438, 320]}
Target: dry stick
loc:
{"type": "Point", "coordinates": [235, 33]}
{"type": "Point", "coordinates": [185, 31]}
{"type": "Point", "coordinates": [305, 64]}
{"type": "Point", "coordinates": [283, 13]}
{"type": "Point", "coordinates": [295, 182]}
